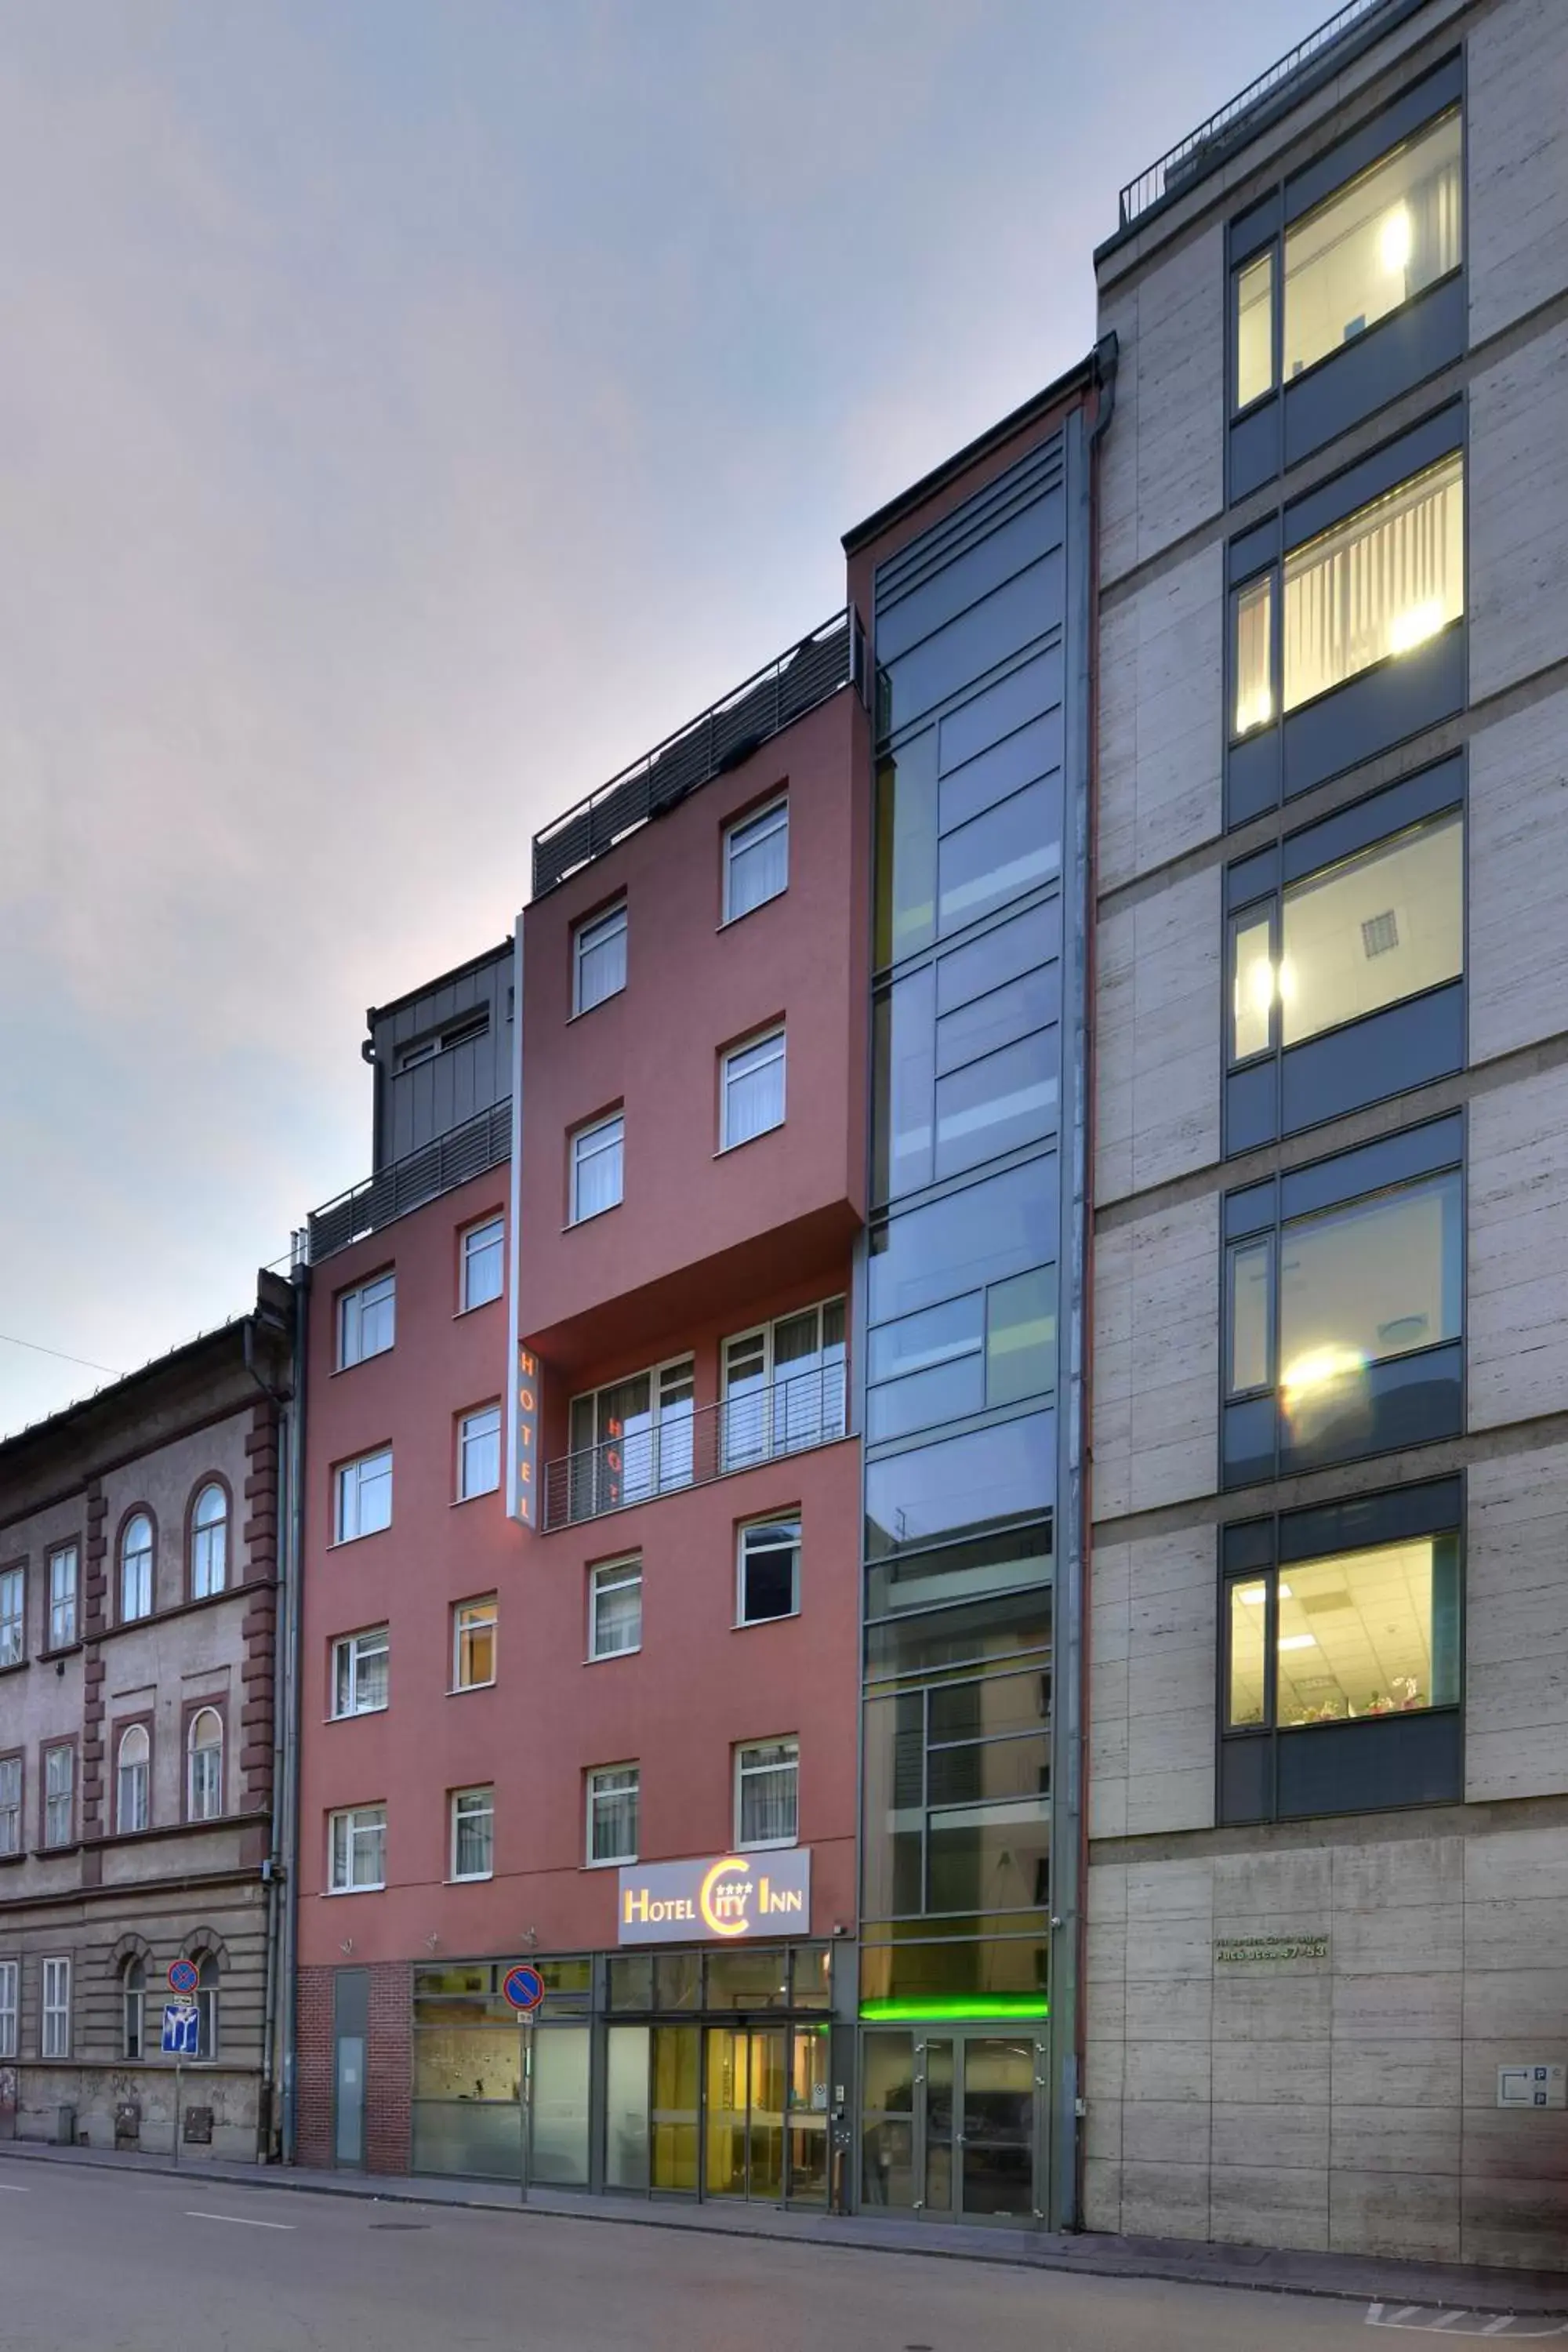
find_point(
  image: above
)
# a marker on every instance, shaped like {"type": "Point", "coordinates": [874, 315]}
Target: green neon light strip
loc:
{"type": "Point", "coordinates": [915, 2012]}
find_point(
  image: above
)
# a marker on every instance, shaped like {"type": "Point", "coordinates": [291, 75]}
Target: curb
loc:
{"type": "Point", "coordinates": [1489, 2301]}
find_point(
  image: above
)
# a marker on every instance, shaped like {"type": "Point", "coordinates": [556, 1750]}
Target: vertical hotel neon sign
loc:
{"type": "Point", "coordinates": [522, 1387]}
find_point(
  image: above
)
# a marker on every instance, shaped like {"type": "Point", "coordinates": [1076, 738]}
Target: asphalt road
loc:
{"type": "Point", "coordinates": [130, 2263]}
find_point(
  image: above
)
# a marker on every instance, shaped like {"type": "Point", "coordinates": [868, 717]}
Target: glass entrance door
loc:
{"type": "Point", "coordinates": [951, 2124]}
{"type": "Point", "coordinates": [747, 2082]}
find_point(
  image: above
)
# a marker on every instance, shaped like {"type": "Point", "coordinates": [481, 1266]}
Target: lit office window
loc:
{"type": "Point", "coordinates": [1374, 246]}
{"type": "Point", "coordinates": [1254, 328]}
{"type": "Point", "coordinates": [1358, 1634]}
{"type": "Point", "coordinates": [1376, 585]}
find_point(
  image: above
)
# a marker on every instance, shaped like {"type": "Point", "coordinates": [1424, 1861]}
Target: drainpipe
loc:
{"type": "Point", "coordinates": [1105, 359]}
{"type": "Point", "coordinates": [285, 1778]}
{"type": "Point", "coordinates": [279, 1398]}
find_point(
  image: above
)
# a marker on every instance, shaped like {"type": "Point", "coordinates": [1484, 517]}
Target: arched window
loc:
{"type": "Point", "coordinates": [204, 1796]}
{"type": "Point", "coordinates": [136, 1568]}
{"type": "Point", "coordinates": [207, 2006]}
{"type": "Point", "coordinates": [133, 1807]}
{"type": "Point", "coordinates": [209, 1543]}
{"type": "Point", "coordinates": [133, 1986]}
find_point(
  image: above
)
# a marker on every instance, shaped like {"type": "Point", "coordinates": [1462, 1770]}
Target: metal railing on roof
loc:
{"type": "Point", "coordinates": [812, 670]}
{"type": "Point", "coordinates": [481, 1142]}
{"type": "Point", "coordinates": [789, 1416]}
{"type": "Point", "coordinates": [1182, 161]}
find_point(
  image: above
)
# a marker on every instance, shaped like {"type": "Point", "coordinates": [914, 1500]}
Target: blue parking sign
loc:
{"type": "Point", "coordinates": [181, 2022]}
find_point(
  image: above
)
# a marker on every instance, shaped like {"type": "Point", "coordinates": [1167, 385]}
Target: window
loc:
{"type": "Point", "coordinates": [13, 1615]}
{"type": "Point", "coordinates": [132, 1801]}
{"type": "Point", "coordinates": [59, 1795]}
{"type": "Point", "coordinates": [10, 2002]}
{"type": "Point", "coordinates": [62, 1597]}
{"type": "Point", "coordinates": [207, 2006]}
{"type": "Point", "coordinates": [209, 1543]}
{"type": "Point", "coordinates": [10, 1804]}
{"type": "Point", "coordinates": [785, 1386]}
{"type": "Point", "coordinates": [756, 860]}
{"type": "Point", "coordinates": [478, 1453]}
{"type": "Point", "coordinates": [1374, 246]}
{"type": "Point", "coordinates": [766, 1792]}
{"type": "Point", "coordinates": [133, 2007]}
{"type": "Point", "coordinates": [615, 1608]}
{"type": "Point", "coordinates": [597, 1153]}
{"type": "Point", "coordinates": [203, 1787]}
{"type": "Point", "coordinates": [367, 1320]}
{"type": "Point", "coordinates": [467, 1029]}
{"type": "Point", "coordinates": [751, 1089]}
{"type": "Point", "coordinates": [613, 1813]}
{"type": "Point", "coordinates": [633, 1440]}
{"type": "Point", "coordinates": [365, 1495]}
{"type": "Point", "coordinates": [599, 958]}
{"type": "Point", "coordinates": [483, 1270]}
{"type": "Point", "coordinates": [359, 1671]}
{"type": "Point", "coordinates": [1368, 931]}
{"type": "Point", "coordinates": [56, 2040]}
{"type": "Point", "coordinates": [358, 1849]}
{"type": "Point", "coordinates": [473, 1833]}
{"type": "Point", "coordinates": [136, 1568]}
{"type": "Point", "coordinates": [769, 1580]}
{"type": "Point", "coordinates": [1371, 589]}
{"type": "Point", "coordinates": [474, 1644]}
{"type": "Point", "coordinates": [957, 1806]}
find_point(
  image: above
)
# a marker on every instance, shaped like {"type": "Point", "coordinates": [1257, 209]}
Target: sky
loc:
{"type": "Point", "coordinates": [411, 411]}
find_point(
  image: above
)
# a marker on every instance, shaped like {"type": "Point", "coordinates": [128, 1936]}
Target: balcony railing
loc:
{"type": "Point", "coordinates": [687, 1448]}
{"type": "Point", "coordinates": [1193, 153]}
{"type": "Point", "coordinates": [832, 656]}
{"type": "Point", "coordinates": [481, 1142]}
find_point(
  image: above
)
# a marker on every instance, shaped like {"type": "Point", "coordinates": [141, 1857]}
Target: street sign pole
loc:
{"type": "Point", "coordinates": [179, 2069]}
{"type": "Point", "coordinates": [525, 2088]}
{"type": "Point", "coordinates": [183, 1978]}
{"type": "Point", "coordinates": [523, 1986]}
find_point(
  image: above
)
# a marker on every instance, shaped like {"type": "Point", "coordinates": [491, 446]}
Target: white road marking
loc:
{"type": "Point", "coordinates": [1422, 2319]}
{"type": "Point", "coordinates": [1496, 2326]}
{"type": "Point", "coordinates": [1449, 2319]}
{"type": "Point", "coordinates": [242, 2220]}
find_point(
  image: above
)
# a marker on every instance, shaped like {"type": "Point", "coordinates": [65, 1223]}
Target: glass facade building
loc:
{"type": "Point", "coordinates": [967, 1379]}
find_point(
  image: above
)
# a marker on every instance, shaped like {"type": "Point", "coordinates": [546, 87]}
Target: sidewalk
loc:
{"type": "Point", "coordinates": [1351, 2277]}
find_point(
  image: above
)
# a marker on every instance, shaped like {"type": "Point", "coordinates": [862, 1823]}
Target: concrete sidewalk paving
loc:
{"type": "Point", "coordinates": [1359, 2278]}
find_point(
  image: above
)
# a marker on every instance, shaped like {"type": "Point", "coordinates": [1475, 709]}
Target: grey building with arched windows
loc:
{"type": "Point", "coordinates": [140, 1552]}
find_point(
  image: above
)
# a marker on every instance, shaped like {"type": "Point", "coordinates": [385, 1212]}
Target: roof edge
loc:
{"type": "Point", "coordinates": [375, 1012]}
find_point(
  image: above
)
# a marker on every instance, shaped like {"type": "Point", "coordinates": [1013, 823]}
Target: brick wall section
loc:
{"type": "Point", "coordinates": [313, 2067]}
{"type": "Point", "coordinates": [260, 1624]}
{"type": "Point", "coordinates": [389, 2069]}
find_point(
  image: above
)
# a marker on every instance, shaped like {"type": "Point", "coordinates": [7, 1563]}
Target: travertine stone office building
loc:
{"type": "Point", "coordinates": [1329, 1748]}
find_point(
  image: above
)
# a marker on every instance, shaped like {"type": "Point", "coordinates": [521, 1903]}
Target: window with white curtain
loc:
{"type": "Point", "coordinates": [13, 1615]}
{"type": "Point", "coordinates": [56, 2038]}
{"type": "Point", "coordinates": [209, 1543]}
{"type": "Point", "coordinates": [359, 1671]}
{"type": "Point", "coordinates": [1376, 585]}
{"type": "Point", "coordinates": [597, 1153]}
{"type": "Point", "coordinates": [133, 1772]}
{"type": "Point", "coordinates": [59, 1795]}
{"type": "Point", "coordinates": [615, 1608]}
{"type": "Point", "coordinates": [484, 1271]}
{"type": "Point", "coordinates": [756, 859]}
{"type": "Point", "coordinates": [473, 1833]}
{"type": "Point", "coordinates": [62, 1597]}
{"type": "Point", "coordinates": [204, 1766]}
{"type": "Point", "coordinates": [599, 958]}
{"type": "Point", "coordinates": [751, 1089]}
{"type": "Point", "coordinates": [367, 1320]}
{"type": "Point", "coordinates": [479, 1452]}
{"type": "Point", "coordinates": [136, 1568]}
{"type": "Point", "coordinates": [613, 1794]}
{"type": "Point", "coordinates": [365, 1495]}
{"type": "Point", "coordinates": [767, 1782]}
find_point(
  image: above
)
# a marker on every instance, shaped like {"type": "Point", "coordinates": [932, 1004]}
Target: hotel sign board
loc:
{"type": "Point", "coordinates": [727, 1896]}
